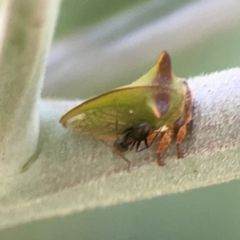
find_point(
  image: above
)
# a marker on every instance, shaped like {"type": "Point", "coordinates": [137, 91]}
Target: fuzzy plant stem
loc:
{"type": "Point", "coordinates": [26, 30]}
{"type": "Point", "coordinates": [74, 173]}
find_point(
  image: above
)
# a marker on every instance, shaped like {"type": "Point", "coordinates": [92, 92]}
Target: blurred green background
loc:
{"type": "Point", "coordinates": [93, 34]}
{"type": "Point", "coordinates": [207, 213]}
{"type": "Point", "coordinates": [104, 44]}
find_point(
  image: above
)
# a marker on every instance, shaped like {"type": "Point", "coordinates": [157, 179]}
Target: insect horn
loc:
{"type": "Point", "coordinates": [164, 62]}
{"type": "Point", "coordinates": [164, 76]}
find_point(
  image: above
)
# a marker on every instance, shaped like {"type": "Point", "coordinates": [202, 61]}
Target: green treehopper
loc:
{"type": "Point", "coordinates": [157, 103]}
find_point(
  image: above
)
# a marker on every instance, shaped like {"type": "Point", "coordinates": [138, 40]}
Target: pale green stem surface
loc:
{"type": "Point", "coordinates": [74, 173]}
{"type": "Point", "coordinates": [26, 32]}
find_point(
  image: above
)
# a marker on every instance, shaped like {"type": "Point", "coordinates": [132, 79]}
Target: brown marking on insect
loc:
{"type": "Point", "coordinates": [188, 108]}
{"type": "Point", "coordinates": [163, 79]}
{"type": "Point", "coordinates": [156, 111]}
{"type": "Point", "coordinates": [164, 73]}
{"type": "Point", "coordinates": [154, 135]}
{"type": "Point", "coordinates": [151, 137]}
{"type": "Point", "coordinates": [162, 101]}
{"type": "Point", "coordinates": [181, 124]}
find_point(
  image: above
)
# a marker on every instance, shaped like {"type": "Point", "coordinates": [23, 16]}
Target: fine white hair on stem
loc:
{"type": "Point", "coordinates": [77, 172]}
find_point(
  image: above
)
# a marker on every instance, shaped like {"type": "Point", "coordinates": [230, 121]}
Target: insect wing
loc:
{"type": "Point", "coordinates": [98, 116]}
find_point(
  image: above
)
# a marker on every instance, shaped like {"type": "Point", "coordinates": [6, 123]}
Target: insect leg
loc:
{"type": "Point", "coordinates": [167, 137]}
{"type": "Point", "coordinates": [180, 136]}
{"type": "Point", "coordinates": [138, 147]}
{"type": "Point", "coordinates": [132, 145]}
{"type": "Point", "coordinates": [127, 161]}
{"type": "Point", "coordinates": [152, 139]}
{"type": "Point", "coordinates": [180, 128]}
{"type": "Point", "coordinates": [181, 124]}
